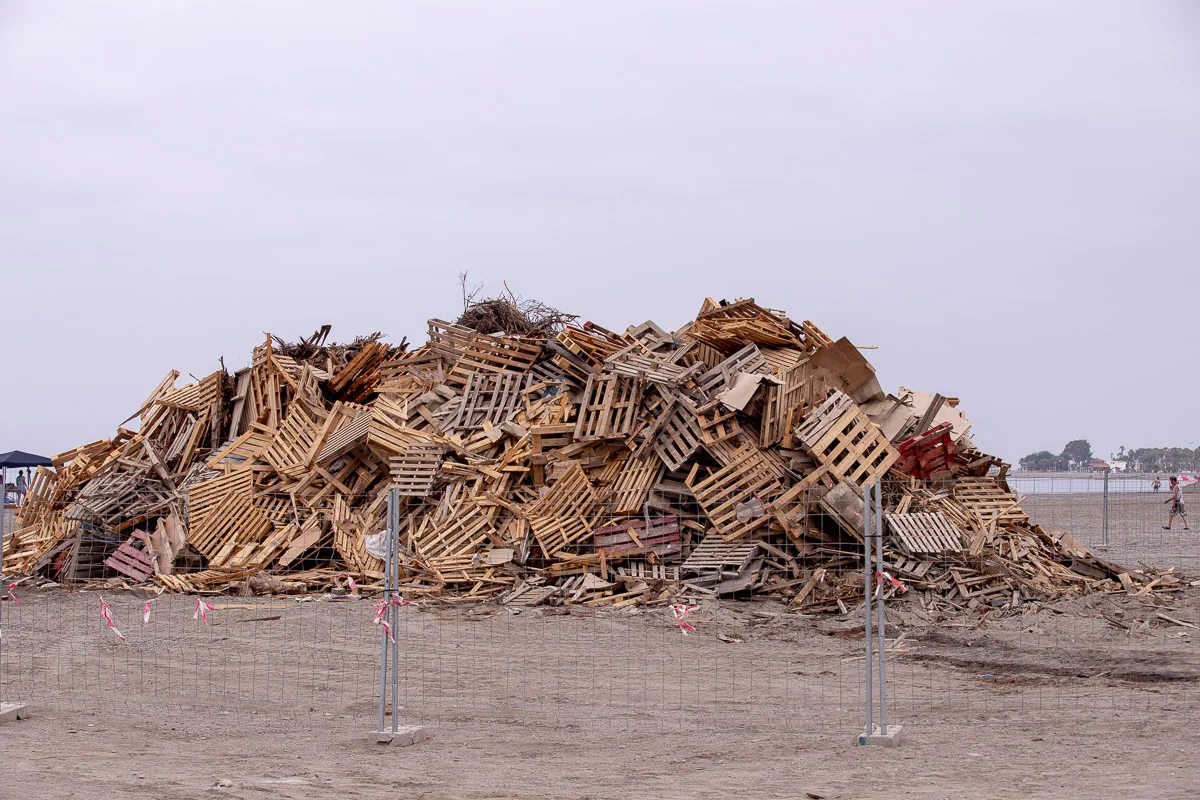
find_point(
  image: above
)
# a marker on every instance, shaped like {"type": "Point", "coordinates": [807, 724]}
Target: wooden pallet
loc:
{"type": "Point", "coordinates": [205, 580]}
{"type": "Point", "coordinates": [636, 361]}
{"type": "Point", "coordinates": [494, 354]}
{"type": "Point", "coordinates": [728, 494]}
{"type": "Point", "coordinates": [294, 445]}
{"type": "Point", "coordinates": [794, 508]}
{"type": "Point", "coordinates": [717, 422]}
{"type": "Point", "coordinates": [739, 449]}
{"type": "Point", "coordinates": [447, 341]}
{"type": "Point", "coordinates": [311, 535]}
{"type": "Point", "coordinates": [783, 359]}
{"type": "Point", "coordinates": [660, 535]}
{"type": "Point", "coordinates": [566, 513]}
{"type": "Point", "coordinates": [651, 336]}
{"type": "Point", "coordinates": [925, 534]}
{"type": "Point", "coordinates": [988, 500]}
{"type": "Point", "coordinates": [844, 504]}
{"type": "Point", "coordinates": [609, 408]}
{"type": "Point", "coordinates": [972, 586]}
{"type": "Point", "coordinates": [488, 399]}
{"type": "Point", "coordinates": [360, 375]}
{"type": "Point", "coordinates": [464, 530]}
{"type": "Point", "coordinates": [527, 595]}
{"type": "Point", "coordinates": [262, 554]}
{"type": "Point", "coordinates": [203, 496]}
{"type": "Point", "coordinates": [133, 558]}
{"type": "Point", "coordinates": [352, 431]}
{"type": "Point", "coordinates": [840, 437]}
{"type": "Point", "coordinates": [927, 454]}
{"type": "Point", "coordinates": [579, 354]}
{"type": "Point", "coordinates": [716, 555]}
{"type": "Point", "coordinates": [246, 447]}
{"type": "Point", "coordinates": [649, 572]}
{"type": "Point", "coordinates": [632, 485]}
{"type": "Point", "coordinates": [470, 569]}
{"type": "Point", "coordinates": [234, 523]}
{"type": "Point", "coordinates": [118, 495]}
{"type": "Point", "coordinates": [804, 388]}
{"type": "Point", "coordinates": [721, 377]}
{"type": "Point", "coordinates": [389, 431]}
{"type": "Point", "coordinates": [697, 352]}
{"type": "Point", "coordinates": [675, 436]}
{"type": "Point", "coordinates": [352, 525]}
{"type": "Point", "coordinates": [414, 473]}
{"type": "Point", "coordinates": [195, 396]}
{"type": "Point", "coordinates": [544, 438]}
{"type": "Point", "coordinates": [584, 589]}
{"type": "Point", "coordinates": [726, 327]}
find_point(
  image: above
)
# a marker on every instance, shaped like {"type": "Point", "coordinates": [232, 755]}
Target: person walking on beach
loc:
{"type": "Point", "coordinates": [22, 484]}
{"type": "Point", "coordinates": [1157, 485]}
{"type": "Point", "coordinates": [1177, 509]}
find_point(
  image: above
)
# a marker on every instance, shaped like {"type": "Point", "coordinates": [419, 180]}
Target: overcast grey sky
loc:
{"type": "Point", "coordinates": [1003, 196]}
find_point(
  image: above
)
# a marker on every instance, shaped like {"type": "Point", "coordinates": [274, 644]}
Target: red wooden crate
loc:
{"type": "Point", "coordinates": [662, 537]}
{"type": "Point", "coordinates": [926, 453]}
{"type": "Point", "coordinates": [132, 560]}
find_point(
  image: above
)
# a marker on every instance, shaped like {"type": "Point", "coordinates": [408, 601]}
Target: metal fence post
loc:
{"type": "Point", "coordinates": [877, 518]}
{"type": "Point", "coordinates": [1105, 529]}
{"type": "Point", "coordinates": [870, 660]}
{"type": "Point", "coordinates": [393, 580]}
{"type": "Point", "coordinates": [386, 612]}
{"type": "Point", "coordinates": [10, 710]}
{"type": "Point", "coordinates": [409, 734]}
{"type": "Point", "coordinates": [874, 576]}
{"type": "Point", "coordinates": [3, 512]}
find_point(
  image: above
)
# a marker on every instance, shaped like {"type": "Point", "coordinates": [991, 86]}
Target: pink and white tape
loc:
{"type": "Point", "coordinates": [879, 579]}
{"type": "Point", "coordinates": [381, 609]}
{"type": "Point", "coordinates": [12, 596]}
{"type": "Point", "coordinates": [106, 613]}
{"type": "Point", "coordinates": [680, 613]}
{"type": "Point", "coordinates": [146, 608]}
{"type": "Point", "coordinates": [353, 585]}
{"type": "Point", "coordinates": [202, 609]}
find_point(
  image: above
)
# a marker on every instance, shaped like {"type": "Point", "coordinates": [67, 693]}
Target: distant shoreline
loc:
{"type": "Point", "coordinates": [1098, 475]}
{"type": "Point", "coordinates": [1091, 483]}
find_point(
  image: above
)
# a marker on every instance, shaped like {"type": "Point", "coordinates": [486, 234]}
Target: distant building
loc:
{"type": "Point", "coordinates": [1119, 466]}
{"type": "Point", "coordinates": [1098, 466]}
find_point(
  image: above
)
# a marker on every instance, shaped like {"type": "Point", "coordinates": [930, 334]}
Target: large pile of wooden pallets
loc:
{"type": "Point", "coordinates": [575, 465]}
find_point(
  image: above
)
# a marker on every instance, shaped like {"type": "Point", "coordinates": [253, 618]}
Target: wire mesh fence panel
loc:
{"type": "Point", "coordinates": [741, 669]}
{"type": "Point", "coordinates": [755, 624]}
{"type": "Point", "coordinates": [277, 659]}
{"type": "Point", "coordinates": [1123, 515]}
{"type": "Point", "coordinates": [1034, 618]}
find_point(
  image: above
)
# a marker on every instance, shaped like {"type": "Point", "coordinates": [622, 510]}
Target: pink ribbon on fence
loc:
{"type": "Point", "coordinates": [106, 613]}
{"type": "Point", "coordinates": [353, 585]}
{"type": "Point", "coordinates": [146, 608]}
{"type": "Point", "coordinates": [680, 612]}
{"type": "Point", "coordinates": [881, 576]}
{"type": "Point", "coordinates": [12, 596]}
{"type": "Point", "coordinates": [381, 608]}
{"type": "Point", "coordinates": [202, 609]}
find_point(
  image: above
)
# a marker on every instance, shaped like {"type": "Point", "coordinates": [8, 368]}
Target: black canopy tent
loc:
{"type": "Point", "coordinates": [19, 458]}
{"type": "Point", "coordinates": [16, 459]}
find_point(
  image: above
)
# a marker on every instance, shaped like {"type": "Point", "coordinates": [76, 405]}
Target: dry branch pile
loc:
{"type": "Point", "coordinates": [576, 465]}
